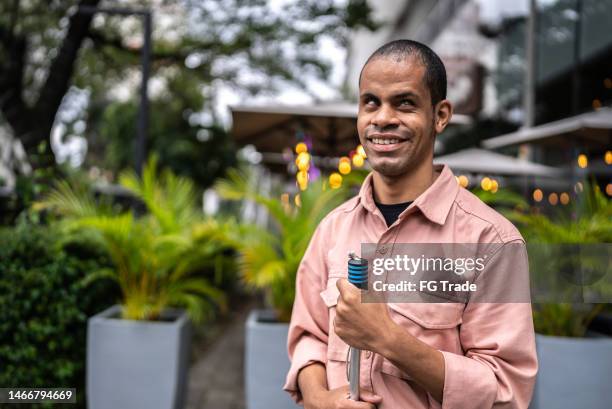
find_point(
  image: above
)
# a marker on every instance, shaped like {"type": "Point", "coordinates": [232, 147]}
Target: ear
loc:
{"type": "Point", "coordinates": [442, 115]}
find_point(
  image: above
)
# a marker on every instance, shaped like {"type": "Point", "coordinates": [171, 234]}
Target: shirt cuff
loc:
{"type": "Point", "coordinates": [467, 383]}
{"type": "Point", "coordinates": [307, 351]}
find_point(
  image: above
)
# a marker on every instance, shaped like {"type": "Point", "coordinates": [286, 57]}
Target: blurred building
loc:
{"type": "Point", "coordinates": [536, 91]}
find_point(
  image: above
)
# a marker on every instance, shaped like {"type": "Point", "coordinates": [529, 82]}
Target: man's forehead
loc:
{"type": "Point", "coordinates": [393, 72]}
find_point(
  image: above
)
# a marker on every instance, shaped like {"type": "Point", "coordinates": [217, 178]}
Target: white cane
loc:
{"type": "Point", "coordinates": [358, 276]}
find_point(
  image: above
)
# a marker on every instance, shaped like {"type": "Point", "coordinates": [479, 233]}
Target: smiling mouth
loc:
{"type": "Point", "coordinates": [384, 140]}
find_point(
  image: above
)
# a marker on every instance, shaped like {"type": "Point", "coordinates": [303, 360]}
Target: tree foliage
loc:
{"type": "Point", "coordinates": [48, 46]}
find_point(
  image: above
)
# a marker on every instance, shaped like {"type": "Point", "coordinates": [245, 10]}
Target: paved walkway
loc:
{"type": "Point", "coordinates": [216, 379]}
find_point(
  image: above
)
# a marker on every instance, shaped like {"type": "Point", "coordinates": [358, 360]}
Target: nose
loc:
{"type": "Point", "coordinates": [384, 117]}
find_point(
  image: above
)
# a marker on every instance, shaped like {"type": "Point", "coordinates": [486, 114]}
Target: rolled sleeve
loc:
{"type": "Point", "coordinates": [309, 326]}
{"type": "Point", "coordinates": [499, 364]}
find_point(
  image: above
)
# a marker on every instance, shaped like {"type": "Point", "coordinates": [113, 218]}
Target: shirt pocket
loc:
{"type": "Point", "coordinates": [436, 324]}
{"type": "Point", "coordinates": [336, 348]}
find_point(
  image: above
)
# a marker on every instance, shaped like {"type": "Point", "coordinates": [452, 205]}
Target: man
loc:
{"type": "Point", "coordinates": [449, 355]}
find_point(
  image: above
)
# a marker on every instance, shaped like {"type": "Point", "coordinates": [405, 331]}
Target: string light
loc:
{"type": "Point", "coordinates": [596, 104]}
{"type": "Point", "coordinates": [358, 160]}
{"type": "Point", "coordinates": [361, 151]}
{"type": "Point", "coordinates": [344, 166]}
{"type": "Point", "coordinates": [298, 200]}
{"type": "Point", "coordinates": [463, 180]}
{"type": "Point", "coordinates": [609, 189]}
{"type": "Point", "coordinates": [553, 199]}
{"type": "Point", "coordinates": [608, 157]}
{"type": "Point", "coordinates": [578, 188]}
{"type": "Point", "coordinates": [485, 183]}
{"type": "Point", "coordinates": [494, 186]}
{"type": "Point", "coordinates": [301, 147]}
{"type": "Point", "coordinates": [538, 195]}
{"type": "Point", "coordinates": [303, 161]}
{"type": "Point", "coordinates": [564, 198]}
{"type": "Point", "coordinates": [335, 180]}
{"type": "Point", "coordinates": [583, 161]}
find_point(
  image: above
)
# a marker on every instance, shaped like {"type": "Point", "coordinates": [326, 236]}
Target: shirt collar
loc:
{"type": "Point", "coordinates": [434, 203]}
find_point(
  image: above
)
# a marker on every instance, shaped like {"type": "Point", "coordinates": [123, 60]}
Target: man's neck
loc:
{"type": "Point", "coordinates": [403, 188]}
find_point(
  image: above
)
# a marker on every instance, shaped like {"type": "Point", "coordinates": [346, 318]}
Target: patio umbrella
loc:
{"type": "Point", "coordinates": [475, 160]}
{"type": "Point", "coordinates": [589, 129]}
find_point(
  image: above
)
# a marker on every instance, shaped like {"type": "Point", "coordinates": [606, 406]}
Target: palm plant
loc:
{"type": "Point", "coordinates": [269, 260]}
{"type": "Point", "coordinates": [158, 257]}
{"type": "Point", "coordinates": [588, 221]}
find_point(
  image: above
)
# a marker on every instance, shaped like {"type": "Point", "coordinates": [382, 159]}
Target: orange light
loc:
{"type": "Point", "coordinates": [285, 198]}
{"type": "Point", "coordinates": [358, 160]}
{"type": "Point", "coordinates": [583, 161]}
{"type": "Point", "coordinates": [335, 180]}
{"type": "Point", "coordinates": [302, 177]}
{"type": "Point", "coordinates": [494, 186]}
{"type": "Point", "coordinates": [485, 183]}
{"type": "Point", "coordinates": [361, 151]}
{"type": "Point", "coordinates": [538, 195]}
{"type": "Point", "coordinates": [564, 198]}
{"type": "Point", "coordinates": [344, 168]}
{"type": "Point", "coordinates": [608, 83]}
{"type": "Point", "coordinates": [608, 157]}
{"type": "Point", "coordinates": [609, 189]}
{"type": "Point", "coordinates": [553, 199]}
{"type": "Point", "coordinates": [301, 147]}
{"type": "Point", "coordinates": [463, 180]}
{"type": "Point", "coordinates": [297, 200]}
{"type": "Point", "coordinates": [596, 104]}
{"type": "Point", "coordinates": [303, 161]}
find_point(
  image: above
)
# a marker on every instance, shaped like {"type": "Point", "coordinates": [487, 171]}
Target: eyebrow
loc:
{"type": "Point", "coordinates": [407, 94]}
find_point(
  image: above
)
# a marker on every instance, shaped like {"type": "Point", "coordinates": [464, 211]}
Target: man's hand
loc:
{"type": "Point", "coordinates": [339, 399]}
{"type": "Point", "coordinates": [313, 385]}
{"type": "Point", "coordinates": [361, 325]}
{"type": "Point", "coordinates": [370, 327]}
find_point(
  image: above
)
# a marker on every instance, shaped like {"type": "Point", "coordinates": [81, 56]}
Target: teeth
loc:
{"type": "Point", "coordinates": [382, 141]}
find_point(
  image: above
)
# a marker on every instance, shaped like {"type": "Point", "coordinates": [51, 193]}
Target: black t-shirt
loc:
{"type": "Point", "coordinates": [392, 211]}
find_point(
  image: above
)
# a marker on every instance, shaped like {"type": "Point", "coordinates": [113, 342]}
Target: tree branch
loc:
{"type": "Point", "coordinates": [100, 39]}
{"type": "Point", "coordinates": [60, 74]}
{"type": "Point", "coordinates": [11, 82]}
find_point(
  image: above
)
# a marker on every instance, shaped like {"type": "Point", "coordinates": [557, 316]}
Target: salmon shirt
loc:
{"type": "Point", "coordinates": [488, 348]}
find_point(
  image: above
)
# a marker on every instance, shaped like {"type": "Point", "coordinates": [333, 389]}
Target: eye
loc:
{"type": "Point", "coordinates": [406, 102]}
{"type": "Point", "coordinates": [370, 101]}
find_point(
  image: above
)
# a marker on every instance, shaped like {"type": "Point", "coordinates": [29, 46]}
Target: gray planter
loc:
{"type": "Point", "coordinates": [574, 373]}
{"type": "Point", "coordinates": [137, 364]}
{"type": "Point", "coordinates": [266, 362]}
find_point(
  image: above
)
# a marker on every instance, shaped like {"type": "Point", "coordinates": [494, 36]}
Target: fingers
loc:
{"type": "Point", "coordinates": [352, 404]}
{"type": "Point", "coordinates": [348, 292]}
{"type": "Point", "coordinates": [342, 284]}
{"type": "Point", "coordinates": [370, 397]}
{"type": "Point", "coordinates": [342, 400]}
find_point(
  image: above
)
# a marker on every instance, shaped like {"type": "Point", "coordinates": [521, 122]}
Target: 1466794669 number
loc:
{"type": "Point", "coordinates": [37, 395]}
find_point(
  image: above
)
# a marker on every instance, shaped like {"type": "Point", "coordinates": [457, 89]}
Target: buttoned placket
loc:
{"type": "Point", "coordinates": [383, 247]}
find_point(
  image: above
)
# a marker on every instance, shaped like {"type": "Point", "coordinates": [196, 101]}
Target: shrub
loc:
{"type": "Point", "coordinates": [44, 305]}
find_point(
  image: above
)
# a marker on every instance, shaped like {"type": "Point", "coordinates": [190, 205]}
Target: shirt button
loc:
{"type": "Point", "coordinates": [382, 250]}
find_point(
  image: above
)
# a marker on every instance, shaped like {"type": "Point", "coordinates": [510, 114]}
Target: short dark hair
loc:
{"type": "Point", "coordinates": [435, 72]}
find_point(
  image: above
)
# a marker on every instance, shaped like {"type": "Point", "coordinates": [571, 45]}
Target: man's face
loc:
{"type": "Point", "coordinates": [395, 120]}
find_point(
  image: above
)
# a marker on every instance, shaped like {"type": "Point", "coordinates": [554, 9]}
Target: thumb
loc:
{"type": "Point", "coordinates": [369, 397]}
